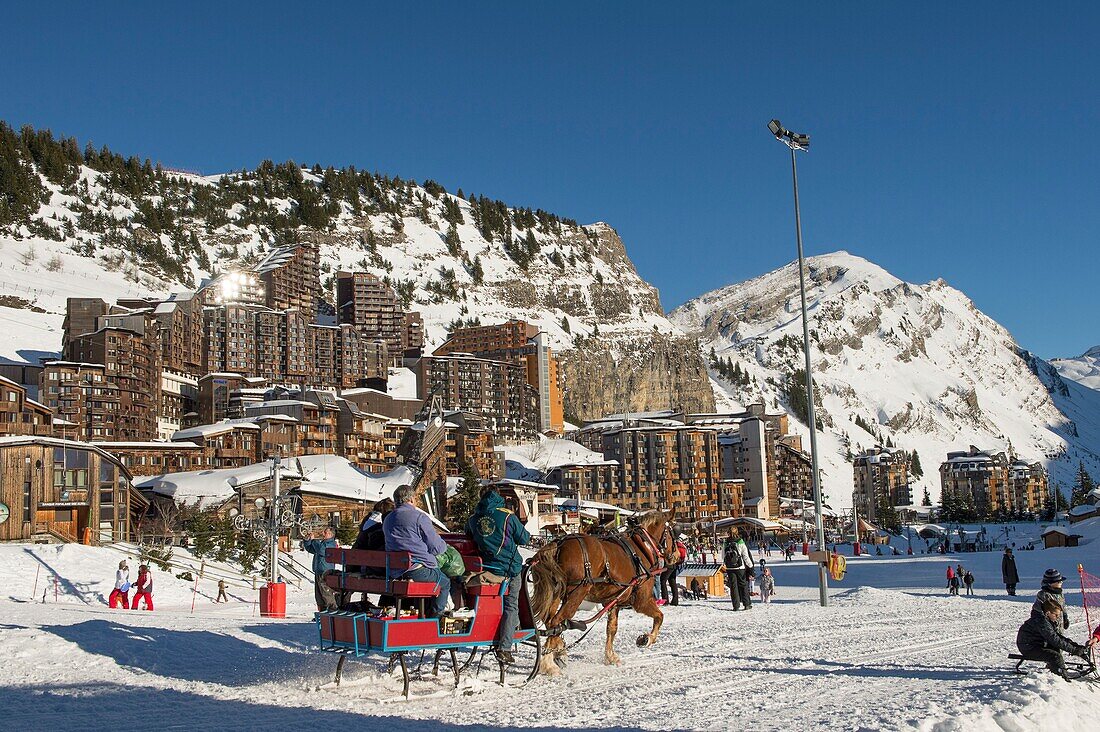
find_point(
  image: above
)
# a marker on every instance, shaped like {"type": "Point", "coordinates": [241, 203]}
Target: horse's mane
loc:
{"type": "Point", "coordinates": [650, 519]}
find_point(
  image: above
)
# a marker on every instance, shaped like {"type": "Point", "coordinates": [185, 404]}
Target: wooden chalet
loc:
{"type": "Point", "coordinates": [53, 489]}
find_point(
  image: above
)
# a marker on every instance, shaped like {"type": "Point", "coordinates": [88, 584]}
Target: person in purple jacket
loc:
{"type": "Point", "coordinates": [408, 529]}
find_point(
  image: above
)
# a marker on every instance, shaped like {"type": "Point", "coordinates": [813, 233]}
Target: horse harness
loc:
{"type": "Point", "coordinates": [633, 541]}
{"type": "Point", "coordinates": [625, 540]}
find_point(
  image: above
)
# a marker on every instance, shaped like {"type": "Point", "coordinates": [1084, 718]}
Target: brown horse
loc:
{"type": "Point", "coordinates": [615, 570]}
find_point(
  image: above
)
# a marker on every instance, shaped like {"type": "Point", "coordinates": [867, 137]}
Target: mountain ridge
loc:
{"type": "Point", "coordinates": [920, 364]}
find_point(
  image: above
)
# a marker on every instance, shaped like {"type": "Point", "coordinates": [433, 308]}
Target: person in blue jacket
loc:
{"type": "Point", "coordinates": [498, 534]}
{"type": "Point", "coordinates": [408, 529]}
{"type": "Point", "coordinates": [325, 595]}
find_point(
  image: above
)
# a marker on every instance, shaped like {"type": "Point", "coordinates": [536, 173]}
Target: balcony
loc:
{"type": "Point", "coordinates": [59, 497]}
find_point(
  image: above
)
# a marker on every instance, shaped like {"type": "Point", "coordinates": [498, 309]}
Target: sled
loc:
{"type": "Point", "coordinates": [1076, 668]}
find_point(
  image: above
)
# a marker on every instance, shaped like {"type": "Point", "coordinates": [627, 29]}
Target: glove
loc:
{"type": "Point", "coordinates": [1065, 621]}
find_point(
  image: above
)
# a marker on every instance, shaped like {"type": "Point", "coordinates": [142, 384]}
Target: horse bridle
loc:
{"type": "Point", "coordinates": [658, 561]}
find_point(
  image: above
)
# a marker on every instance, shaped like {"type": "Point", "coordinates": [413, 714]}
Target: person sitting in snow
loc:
{"type": "Point", "coordinates": [1039, 640]}
{"type": "Point", "coordinates": [1052, 592]}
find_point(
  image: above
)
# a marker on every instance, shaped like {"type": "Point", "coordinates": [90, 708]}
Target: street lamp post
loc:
{"type": "Point", "coordinates": [795, 142]}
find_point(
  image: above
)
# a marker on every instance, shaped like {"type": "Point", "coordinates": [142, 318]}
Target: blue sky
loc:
{"type": "Point", "coordinates": [947, 142]}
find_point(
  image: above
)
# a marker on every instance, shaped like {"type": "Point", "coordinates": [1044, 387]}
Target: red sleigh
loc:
{"type": "Point", "coordinates": [404, 630]}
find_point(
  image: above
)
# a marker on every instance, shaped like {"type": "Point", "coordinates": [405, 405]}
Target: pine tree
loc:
{"type": "Point", "coordinates": [461, 506]}
{"type": "Point", "coordinates": [949, 505]}
{"type": "Point", "coordinates": [915, 467]}
{"type": "Point", "coordinates": [565, 323]}
{"type": "Point", "coordinates": [927, 500]}
{"type": "Point", "coordinates": [453, 241]}
{"type": "Point", "coordinates": [887, 515]}
{"type": "Point", "coordinates": [1082, 486]}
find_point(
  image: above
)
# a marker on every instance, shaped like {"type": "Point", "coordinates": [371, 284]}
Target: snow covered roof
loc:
{"type": "Point", "coordinates": [211, 430]}
{"type": "Point", "coordinates": [549, 453]}
{"type": "Point", "coordinates": [534, 485]}
{"type": "Point", "coordinates": [764, 524]}
{"type": "Point", "coordinates": [328, 475]}
{"type": "Point", "coordinates": [1057, 530]}
{"type": "Point", "coordinates": [1085, 509]}
{"type": "Point", "coordinates": [151, 445]}
{"type": "Point", "coordinates": [14, 440]}
{"type": "Point", "coordinates": [570, 504]}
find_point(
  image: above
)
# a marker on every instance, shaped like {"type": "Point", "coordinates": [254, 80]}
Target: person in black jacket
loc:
{"type": "Point", "coordinates": [1039, 640]}
{"type": "Point", "coordinates": [1008, 571]}
{"type": "Point", "coordinates": [370, 538]}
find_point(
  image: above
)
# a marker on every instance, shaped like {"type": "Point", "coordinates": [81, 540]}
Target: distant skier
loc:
{"type": "Point", "coordinates": [144, 587]}
{"type": "Point", "coordinates": [221, 592]}
{"type": "Point", "coordinates": [767, 586]}
{"type": "Point", "coordinates": [968, 580]}
{"type": "Point", "coordinates": [121, 594]}
{"type": "Point", "coordinates": [1052, 592]}
{"type": "Point", "coordinates": [950, 575]}
{"type": "Point", "coordinates": [1009, 575]}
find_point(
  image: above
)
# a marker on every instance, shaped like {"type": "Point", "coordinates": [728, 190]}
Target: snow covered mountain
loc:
{"type": "Point", "coordinates": [95, 224]}
{"type": "Point", "coordinates": [1085, 369]}
{"type": "Point", "coordinates": [917, 364]}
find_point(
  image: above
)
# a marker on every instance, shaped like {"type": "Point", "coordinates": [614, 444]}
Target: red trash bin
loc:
{"type": "Point", "coordinates": [273, 600]}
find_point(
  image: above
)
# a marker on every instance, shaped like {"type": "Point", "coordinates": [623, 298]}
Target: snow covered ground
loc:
{"type": "Point", "coordinates": [892, 651]}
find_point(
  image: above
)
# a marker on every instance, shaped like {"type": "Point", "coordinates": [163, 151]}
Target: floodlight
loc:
{"type": "Point", "coordinates": [776, 128]}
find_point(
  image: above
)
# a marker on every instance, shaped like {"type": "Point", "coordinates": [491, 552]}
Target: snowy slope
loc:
{"type": "Point", "coordinates": [417, 253]}
{"type": "Point", "coordinates": [1085, 369]}
{"type": "Point", "coordinates": [919, 363]}
{"type": "Point", "coordinates": [891, 652]}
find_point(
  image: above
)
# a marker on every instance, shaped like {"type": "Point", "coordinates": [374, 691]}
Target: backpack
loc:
{"type": "Point", "coordinates": [732, 556]}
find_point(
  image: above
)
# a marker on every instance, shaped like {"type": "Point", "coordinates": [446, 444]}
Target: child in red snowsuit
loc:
{"type": "Point", "coordinates": [144, 587]}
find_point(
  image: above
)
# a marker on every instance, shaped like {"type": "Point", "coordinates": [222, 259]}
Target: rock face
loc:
{"type": "Point", "coordinates": [647, 372]}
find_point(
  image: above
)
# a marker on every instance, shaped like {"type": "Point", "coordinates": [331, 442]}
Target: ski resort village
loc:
{"type": "Point", "coordinates": [299, 445]}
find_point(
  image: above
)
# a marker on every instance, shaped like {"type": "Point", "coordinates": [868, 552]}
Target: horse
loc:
{"type": "Point", "coordinates": [614, 569]}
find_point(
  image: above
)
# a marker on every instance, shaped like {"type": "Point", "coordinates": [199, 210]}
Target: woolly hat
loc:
{"type": "Point", "coordinates": [1051, 576]}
